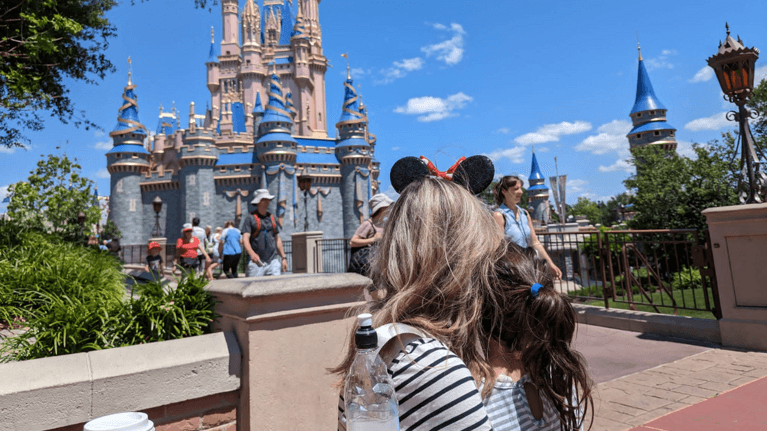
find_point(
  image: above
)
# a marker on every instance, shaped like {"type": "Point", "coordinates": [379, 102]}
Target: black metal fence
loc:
{"type": "Point", "coordinates": [335, 254]}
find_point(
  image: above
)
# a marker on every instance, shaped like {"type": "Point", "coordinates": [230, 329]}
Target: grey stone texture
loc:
{"type": "Point", "coordinates": [47, 393]}
{"type": "Point", "coordinates": [124, 188]}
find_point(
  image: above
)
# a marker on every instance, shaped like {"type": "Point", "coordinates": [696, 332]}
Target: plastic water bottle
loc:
{"type": "Point", "coordinates": [370, 402]}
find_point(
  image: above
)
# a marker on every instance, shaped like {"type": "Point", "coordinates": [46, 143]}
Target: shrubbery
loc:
{"type": "Point", "coordinates": [72, 298]}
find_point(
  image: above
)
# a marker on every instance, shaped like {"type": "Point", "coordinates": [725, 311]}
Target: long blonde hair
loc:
{"type": "Point", "coordinates": [435, 268]}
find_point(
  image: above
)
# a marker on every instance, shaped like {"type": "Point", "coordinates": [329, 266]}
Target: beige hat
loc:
{"type": "Point", "coordinates": [261, 194]}
{"type": "Point", "coordinates": [379, 201]}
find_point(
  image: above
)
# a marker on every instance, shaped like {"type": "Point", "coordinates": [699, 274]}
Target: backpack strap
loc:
{"type": "Point", "coordinates": [258, 224]}
{"type": "Point", "coordinates": [393, 337]}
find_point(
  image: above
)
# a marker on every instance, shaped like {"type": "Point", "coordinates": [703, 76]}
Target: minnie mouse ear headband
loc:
{"type": "Point", "coordinates": [475, 172]}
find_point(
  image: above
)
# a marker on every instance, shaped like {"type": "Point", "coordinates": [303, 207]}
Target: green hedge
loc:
{"type": "Point", "coordinates": [71, 298]}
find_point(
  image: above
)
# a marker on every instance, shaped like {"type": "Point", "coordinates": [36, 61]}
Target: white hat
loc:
{"type": "Point", "coordinates": [187, 226]}
{"type": "Point", "coordinates": [379, 201]}
{"type": "Point", "coordinates": [261, 194]}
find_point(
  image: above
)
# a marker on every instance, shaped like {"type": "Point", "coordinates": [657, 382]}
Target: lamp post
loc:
{"type": "Point", "coordinates": [734, 68]}
{"type": "Point", "coordinates": [305, 183]}
{"type": "Point", "coordinates": [157, 205]}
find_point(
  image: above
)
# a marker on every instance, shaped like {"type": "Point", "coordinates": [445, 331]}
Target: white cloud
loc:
{"type": "Point", "coordinates": [400, 69]}
{"type": "Point", "coordinates": [395, 148]}
{"type": "Point", "coordinates": [611, 137]}
{"type": "Point", "coordinates": [543, 149]}
{"type": "Point", "coordinates": [503, 131]}
{"type": "Point", "coordinates": [576, 186]}
{"type": "Point", "coordinates": [451, 50]}
{"type": "Point", "coordinates": [714, 122]}
{"type": "Point", "coordinates": [3, 192]}
{"type": "Point", "coordinates": [514, 154]}
{"type": "Point", "coordinates": [103, 145]}
{"type": "Point", "coordinates": [619, 165]}
{"type": "Point", "coordinates": [103, 173]}
{"type": "Point", "coordinates": [7, 150]}
{"type": "Point", "coordinates": [684, 148]}
{"type": "Point", "coordinates": [98, 133]}
{"type": "Point", "coordinates": [552, 132]}
{"type": "Point", "coordinates": [434, 108]}
{"type": "Point", "coordinates": [760, 74]}
{"type": "Point", "coordinates": [595, 198]}
{"type": "Point", "coordinates": [703, 75]}
{"type": "Point", "coordinates": [662, 61]}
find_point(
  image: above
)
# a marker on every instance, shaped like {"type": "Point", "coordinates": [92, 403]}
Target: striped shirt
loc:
{"type": "Point", "coordinates": [509, 410]}
{"type": "Point", "coordinates": [435, 390]}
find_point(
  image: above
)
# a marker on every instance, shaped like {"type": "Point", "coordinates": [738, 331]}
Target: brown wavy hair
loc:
{"type": "Point", "coordinates": [541, 329]}
{"type": "Point", "coordinates": [434, 269]}
{"type": "Point", "coordinates": [502, 185]}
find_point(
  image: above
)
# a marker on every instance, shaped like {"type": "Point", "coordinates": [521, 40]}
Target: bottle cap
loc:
{"type": "Point", "coordinates": [365, 337]}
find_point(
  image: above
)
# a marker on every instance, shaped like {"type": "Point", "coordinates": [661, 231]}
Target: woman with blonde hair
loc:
{"type": "Point", "coordinates": [434, 271]}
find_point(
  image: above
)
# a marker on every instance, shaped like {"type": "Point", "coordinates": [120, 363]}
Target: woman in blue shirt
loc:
{"type": "Point", "coordinates": [516, 222]}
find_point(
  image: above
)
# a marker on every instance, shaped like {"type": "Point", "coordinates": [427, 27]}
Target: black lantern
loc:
{"type": "Point", "coordinates": [734, 66]}
{"type": "Point", "coordinates": [305, 183]}
{"type": "Point", "coordinates": [157, 205]}
{"type": "Point", "coordinates": [80, 218]}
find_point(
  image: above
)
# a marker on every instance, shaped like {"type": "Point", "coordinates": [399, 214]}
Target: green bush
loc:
{"type": "Point", "coordinates": [686, 278]}
{"type": "Point", "coordinates": [73, 299]}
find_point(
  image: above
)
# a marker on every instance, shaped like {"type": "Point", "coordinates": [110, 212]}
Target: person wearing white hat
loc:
{"type": "Point", "coordinates": [260, 236]}
{"type": "Point", "coordinates": [369, 231]}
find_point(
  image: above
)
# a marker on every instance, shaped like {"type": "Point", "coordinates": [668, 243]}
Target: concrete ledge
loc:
{"type": "Point", "coordinates": [47, 393]}
{"type": "Point", "coordinates": [640, 321]}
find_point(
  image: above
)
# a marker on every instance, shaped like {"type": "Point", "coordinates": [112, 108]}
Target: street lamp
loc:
{"type": "Point", "coordinates": [157, 205]}
{"type": "Point", "coordinates": [305, 183]}
{"type": "Point", "coordinates": [734, 67]}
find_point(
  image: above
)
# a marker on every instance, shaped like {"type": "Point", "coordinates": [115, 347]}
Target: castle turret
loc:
{"type": "Point", "coordinates": [127, 161]}
{"type": "Point", "coordinates": [258, 114]}
{"type": "Point", "coordinates": [649, 116]}
{"type": "Point", "coordinates": [252, 71]}
{"type": "Point", "coordinates": [354, 153]}
{"type": "Point", "coordinates": [214, 73]}
{"type": "Point", "coordinates": [197, 156]}
{"type": "Point", "coordinates": [538, 193]}
{"type": "Point", "coordinates": [230, 41]}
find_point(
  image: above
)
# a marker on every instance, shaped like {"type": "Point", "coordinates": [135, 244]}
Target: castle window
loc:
{"type": "Point", "coordinates": [319, 115]}
{"type": "Point", "coordinates": [132, 207]}
{"type": "Point", "coordinates": [206, 198]}
{"type": "Point", "coordinates": [119, 186]}
{"type": "Point", "coordinates": [192, 180]}
{"type": "Point", "coordinates": [227, 52]}
{"type": "Point", "coordinates": [237, 169]}
{"type": "Point", "coordinates": [639, 114]}
{"type": "Point", "coordinates": [247, 61]}
{"type": "Point", "coordinates": [117, 156]}
{"type": "Point", "coordinates": [639, 135]}
{"type": "Point", "coordinates": [671, 134]}
{"type": "Point", "coordinates": [656, 133]}
{"type": "Point", "coordinates": [652, 112]}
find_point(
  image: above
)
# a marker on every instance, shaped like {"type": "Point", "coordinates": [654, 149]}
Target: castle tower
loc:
{"type": "Point", "coordinates": [354, 153]}
{"type": "Point", "coordinates": [214, 76]}
{"type": "Point", "coordinates": [127, 161]}
{"type": "Point", "coordinates": [276, 150]}
{"type": "Point", "coordinates": [252, 71]}
{"type": "Point", "coordinates": [538, 193]}
{"type": "Point", "coordinates": [257, 114]}
{"type": "Point", "coordinates": [649, 116]}
{"type": "Point", "coordinates": [197, 156]}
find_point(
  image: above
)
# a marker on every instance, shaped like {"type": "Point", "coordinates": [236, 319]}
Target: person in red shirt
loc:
{"type": "Point", "coordinates": [186, 251]}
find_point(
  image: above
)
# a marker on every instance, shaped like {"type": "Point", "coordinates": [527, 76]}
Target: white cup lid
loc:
{"type": "Point", "coordinates": [129, 421]}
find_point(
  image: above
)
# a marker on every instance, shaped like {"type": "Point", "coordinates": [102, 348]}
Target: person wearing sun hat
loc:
{"type": "Point", "coordinates": [154, 260]}
{"type": "Point", "coordinates": [186, 250]}
{"type": "Point", "coordinates": [369, 232]}
{"type": "Point", "coordinates": [260, 236]}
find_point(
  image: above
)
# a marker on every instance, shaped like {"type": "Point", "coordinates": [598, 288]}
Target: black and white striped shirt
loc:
{"type": "Point", "coordinates": [435, 390]}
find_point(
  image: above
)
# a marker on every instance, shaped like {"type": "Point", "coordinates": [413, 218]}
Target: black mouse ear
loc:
{"type": "Point", "coordinates": [475, 173]}
{"type": "Point", "coordinates": [405, 171]}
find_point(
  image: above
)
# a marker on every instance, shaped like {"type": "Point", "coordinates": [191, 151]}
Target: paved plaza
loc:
{"type": "Point", "coordinates": [642, 377]}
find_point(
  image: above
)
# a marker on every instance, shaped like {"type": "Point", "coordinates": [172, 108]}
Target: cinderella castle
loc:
{"type": "Point", "coordinates": [265, 128]}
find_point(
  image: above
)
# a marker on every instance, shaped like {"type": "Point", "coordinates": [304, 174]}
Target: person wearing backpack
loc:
{"type": "Point", "coordinates": [368, 233]}
{"type": "Point", "coordinates": [260, 236]}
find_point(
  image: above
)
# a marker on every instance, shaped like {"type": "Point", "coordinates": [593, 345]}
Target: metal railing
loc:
{"type": "Point", "coordinates": [662, 270]}
{"type": "Point", "coordinates": [334, 254]}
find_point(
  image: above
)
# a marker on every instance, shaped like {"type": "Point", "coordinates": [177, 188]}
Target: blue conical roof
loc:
{"type": "Point", "coordinates": [258, 108]}
{"type": "Point", "coordinates": [213, 53]}
{"type": "Point", "coordinates": [535, 170]}
{"type": "Point", "coordinates": [351, 109]}
{"type": "Point", "coordinates": [127, 116]}
{"type": "Point", "coordinates": [275, 108]}
{"type": "Point", "coordinates": [646, 99]}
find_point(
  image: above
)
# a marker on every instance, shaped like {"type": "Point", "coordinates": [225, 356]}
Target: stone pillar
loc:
{"type": "Point", "coordinates": [290, 329]}
{"type": "Point", "coordinates": [739, 247]}
{"type": "Point", "coordinates": [307, 252]}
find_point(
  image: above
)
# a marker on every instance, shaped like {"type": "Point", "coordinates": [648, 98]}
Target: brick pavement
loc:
{"type": "Point", "coordinates": [633, 400]}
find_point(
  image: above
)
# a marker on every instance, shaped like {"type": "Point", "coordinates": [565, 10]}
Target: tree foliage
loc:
{"type": "Point", "coordinates": [53, 196]}
{"type": "Point", "coordinates": [671, 191]}
{"type": "Point", "coordinates": [44, 43]}
{"type": "Point", "coordinates": [587, 208]}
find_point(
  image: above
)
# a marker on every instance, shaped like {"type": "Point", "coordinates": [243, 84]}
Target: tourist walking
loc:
{"type": "Point", "coordinates": [211, 246]}
{"type": "Point", "coordinates": [516, 222]}
{"type": "Point", "coordinates": [368, 233]}
{"type": "Point", "coordinates": [260, 236]}
{"type": "Point", "coordinates": [199, 233]}
{"type": "Point", "coordinates": [187, 248]}
{"type": "Point", "coordinates": [229, 248]}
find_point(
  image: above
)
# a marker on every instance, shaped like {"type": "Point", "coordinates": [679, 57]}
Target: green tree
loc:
{"type": "Point", "coordinates": [44, 43]}
{"type": "Point", "coordinates": [670, 191]}
{"type": "Point", "coordinates": [52, 197]}
{"type": "Point", "coordinates": [588, 208]}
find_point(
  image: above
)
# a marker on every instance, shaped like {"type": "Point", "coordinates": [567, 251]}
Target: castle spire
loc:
{"type": "Point", "coordinates": [538, 192]}
{"type": "Point", "coordinates": [127, 116]}
{"type": "Point", "coordinates": [129, 71]}
{"type": "Point", "coordinates": [649, 115]}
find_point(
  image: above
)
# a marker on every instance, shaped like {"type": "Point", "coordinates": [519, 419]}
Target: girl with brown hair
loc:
{"type": "Point", "coordinates": [515, 221]}
{"type": "Point", "coordinates": [539, 381]}
{"type": "Point", "coordinates": [434, 270]}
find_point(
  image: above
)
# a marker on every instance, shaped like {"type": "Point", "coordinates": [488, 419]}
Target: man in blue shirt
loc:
{"type": "Point", "coordinates": [229, 248]}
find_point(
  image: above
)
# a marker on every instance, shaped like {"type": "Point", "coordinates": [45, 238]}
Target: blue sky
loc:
{"type": "Point", "coordinates": [449, 78]}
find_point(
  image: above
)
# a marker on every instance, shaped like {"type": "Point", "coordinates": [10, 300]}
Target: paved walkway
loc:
{"type": "Point", "coordinates": [635, 399]}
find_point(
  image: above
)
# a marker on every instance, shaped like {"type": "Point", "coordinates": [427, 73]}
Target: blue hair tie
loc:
{"type": "Point", "coordinates": [535, 288]}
